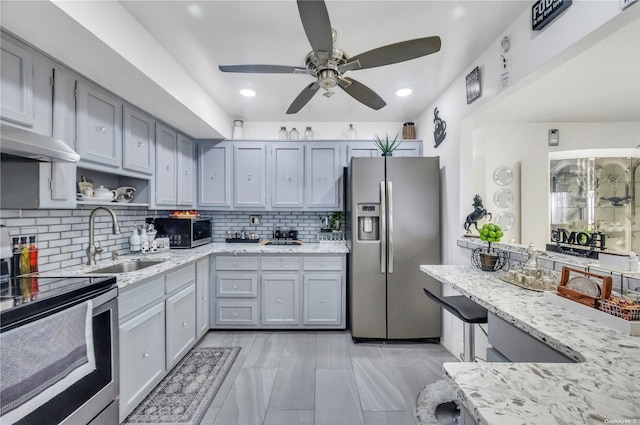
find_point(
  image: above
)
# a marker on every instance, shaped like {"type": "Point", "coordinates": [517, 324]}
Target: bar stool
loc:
{"type": "Point", "coordinates": [471, 314]}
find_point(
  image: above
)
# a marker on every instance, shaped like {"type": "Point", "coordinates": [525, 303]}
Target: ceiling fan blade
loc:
{"type": "Point", "coordinates": [361, 93]}
{"type": "Point", "coordinates": [264, 69]}
{"type": "Point", "coordinates": [303, 98]}
{"type": "Point", "coordinates": [315, 20]}
{"type": "Point", "coordinates": [393, 53]}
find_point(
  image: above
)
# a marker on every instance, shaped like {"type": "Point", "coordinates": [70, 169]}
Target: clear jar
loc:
{"type": "Point", "coordinates": [283, 134]}
{"type": "Point", "coordinates": [351, 132]}
{"type": "Point", "coordinates": [294, 134]}
{"type": "Point", "coordinates": [308, 134]}
{"type": "Point", "coordinates": [237, 129]}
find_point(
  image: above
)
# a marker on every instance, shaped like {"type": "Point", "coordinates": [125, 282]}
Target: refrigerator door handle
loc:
{"type": "Point", "coordinates": [383, 228]}
{"type": "Point", "coordinates": [390, 199]}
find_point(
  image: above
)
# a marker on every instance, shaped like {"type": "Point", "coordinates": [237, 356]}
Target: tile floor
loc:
{"type": "Point", "coordinates": [321, 378]}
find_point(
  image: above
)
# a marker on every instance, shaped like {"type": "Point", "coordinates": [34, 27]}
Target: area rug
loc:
{"type": "Point", "coordinates": [185, 394]}
{"type": "Point", "coordinates": [433, 394]}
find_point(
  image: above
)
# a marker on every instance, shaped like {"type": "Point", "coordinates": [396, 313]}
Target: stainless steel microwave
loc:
{"type": "Point", "coordinates": [184, 232]}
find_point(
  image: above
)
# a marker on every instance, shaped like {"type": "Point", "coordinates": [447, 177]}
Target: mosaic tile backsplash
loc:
{"type": "Point", "coordinates": [62, 235]}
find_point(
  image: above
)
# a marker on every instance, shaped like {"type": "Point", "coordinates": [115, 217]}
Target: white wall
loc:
{"type": "Point", "coordinates": [532, 55]}
{"type": "Point", "coordinates": [322, 130]}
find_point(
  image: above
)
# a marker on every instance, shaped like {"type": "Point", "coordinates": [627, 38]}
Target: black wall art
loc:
{"type": "Point", "coordinates": [440, 128]}
{"type": "Point", "coordinates": [473, 85]}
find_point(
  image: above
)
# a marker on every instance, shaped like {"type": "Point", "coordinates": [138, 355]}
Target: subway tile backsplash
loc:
{"type": "Point", "coordinates": [62, 235]}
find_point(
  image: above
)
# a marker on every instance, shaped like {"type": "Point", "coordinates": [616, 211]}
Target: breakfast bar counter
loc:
{"type": "Point", "coordinates": [602, 387]}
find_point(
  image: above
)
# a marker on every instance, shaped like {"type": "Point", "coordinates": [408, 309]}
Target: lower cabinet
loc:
{"type": "Point", "coordinates": [142, 356]}
{"type": "Point", "coordinates": [181, 324]}
{"type": "Point", "coordinates": [279, 291]}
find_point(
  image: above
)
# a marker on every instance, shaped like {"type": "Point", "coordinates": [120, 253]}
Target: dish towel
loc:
{"type": "Point", "coordinates": [43, 358]}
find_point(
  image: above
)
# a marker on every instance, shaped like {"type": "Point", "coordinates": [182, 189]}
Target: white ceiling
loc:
{"type": "Point", "coordinates": [201, 35]}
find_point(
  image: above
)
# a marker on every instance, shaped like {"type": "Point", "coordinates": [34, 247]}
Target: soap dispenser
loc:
{"type": "Point", "coordinates": [134, 241]}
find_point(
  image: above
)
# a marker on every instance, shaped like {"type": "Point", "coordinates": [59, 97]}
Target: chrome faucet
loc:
{"type": "Point", "coordinates": [92, 250]}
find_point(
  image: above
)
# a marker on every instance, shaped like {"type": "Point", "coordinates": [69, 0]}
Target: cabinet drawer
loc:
{"type": "Point", "coordinates": [140, 295]}
{"type": "Point", "coordinates": [237, 285]}
{"type": "Point", "coordinates": [236, 313]}
{"type": "Point", "coordinates": [323, 263]}
{"type": "Point", "coordinates": [280, 263]}
{"type": "Point", "coordinates": [237, 263]}
{"type": "Point", "coordinates": [181, 277]}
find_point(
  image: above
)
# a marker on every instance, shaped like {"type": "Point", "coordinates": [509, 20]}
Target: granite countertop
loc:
{"type": "Point", "coordinates": [177, 257]}
{"type": "Point", "coordinates": [604, 387]}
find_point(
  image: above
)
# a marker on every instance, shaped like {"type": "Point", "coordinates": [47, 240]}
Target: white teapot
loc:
{"type": "Point", "coordinates": [104, 194]}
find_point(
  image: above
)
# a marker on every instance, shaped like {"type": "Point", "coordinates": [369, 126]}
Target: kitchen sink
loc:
{"type": "Point", "coordinates": [127, 266]}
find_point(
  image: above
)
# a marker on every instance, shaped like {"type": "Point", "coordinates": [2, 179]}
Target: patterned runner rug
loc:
{"type": "Point", "coordinates": [185, 394]}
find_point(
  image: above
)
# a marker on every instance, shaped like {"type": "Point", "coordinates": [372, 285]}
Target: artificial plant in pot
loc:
{"type": "Point", "coordinates": [490, 233]}
{"type": "Point", "coordinates": [386, 145]}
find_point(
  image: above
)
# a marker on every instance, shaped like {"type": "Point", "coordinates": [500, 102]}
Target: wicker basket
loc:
{"type": "Point", "coordinates": [627, 313]}
{"type": "Point", "coordinates": [408, 131]}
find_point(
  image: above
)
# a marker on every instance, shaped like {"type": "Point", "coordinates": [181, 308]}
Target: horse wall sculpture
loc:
{"type": "Point", "coordinates": [478, 213]}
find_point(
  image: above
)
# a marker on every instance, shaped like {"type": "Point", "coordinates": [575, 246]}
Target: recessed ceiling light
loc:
{"type": "Point", "coordinates": [194, 10]}
{"type": "Point", "coordinates": [247, 92]}
{"type": "Point", "coordinates": [404, 92]}
{"type": "Point", "coordinates": [458, 12]}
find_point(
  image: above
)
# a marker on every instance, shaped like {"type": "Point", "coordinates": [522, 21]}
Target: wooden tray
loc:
{"type": "Point", "coordinates": [605, 283]}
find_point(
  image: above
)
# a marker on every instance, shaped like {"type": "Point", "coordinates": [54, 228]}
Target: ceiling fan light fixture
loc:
{"type": "Point", "coordinates": [247, 92]}
{"type": "Point", "coordinates": [328, 79]}
{"type": "Point", "coordinates": [404, 92]}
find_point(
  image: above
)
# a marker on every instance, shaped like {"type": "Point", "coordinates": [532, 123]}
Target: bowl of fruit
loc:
{"type": "Point", "coordinates": [184, 214]}
{"type": "Point", "coordinates": [489, 258]}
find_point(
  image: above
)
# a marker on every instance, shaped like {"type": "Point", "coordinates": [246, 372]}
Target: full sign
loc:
{"type": "Point", "coordinates": [545, 11]}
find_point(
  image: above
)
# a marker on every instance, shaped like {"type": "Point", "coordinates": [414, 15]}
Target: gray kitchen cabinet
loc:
{"type": "Point", "coordinates": [250, 175]}
{"type": "Point", "coordinates": [280, 299]}
{"type": "Point", "coordinates": [16, 70]}
{"type": "Point", "coordinates": [409, 149]}
{"type": "Point", "coordinates": [323, 298]}
{"type": "Point", "coordinates": [138, 141]}
{"type": "Point", "coordinates": [287, 175]}
{"type": "Point", "coordinates": [142, 356]}
{"type": "Point", "coordinates": [186, 174]}
{"type": "Point", "coordinates": [166, 178]}
{"type": "Point", "coordinates": [323, 176]}
{"type": "Point", "coordinates": [214, 175]}
{"type": "Point", "coordinates": [202, 297]}
{"type": "Point", "coordinates": [181, 324]}
{"type": "Point", "coordinates": [99, 125]}
{"type": "Point", "coordinates": [362, 150]}
{"type": "Point", "coordinates": [236, 289]}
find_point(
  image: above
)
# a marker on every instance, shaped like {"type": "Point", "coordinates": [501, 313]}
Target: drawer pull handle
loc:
{"type": "Point", "coordinates": [235, 264]}
{"type": "Point", "coordinates": [235, 314]}
{"type": "Point", "coordinates": [235, 286]}
{"type": "Point", "coordinates": [184, 324]}
{"type": "Point", "coordinates": [101, 129]}
{"type": "Point", "coordinates": [145, 354]}
{"type": "Point", "coordinates": [281, 264]}
{"type": "Point", "coordinates": [322, 263]}
{"type": "Point", "coordinates": [280, 300]}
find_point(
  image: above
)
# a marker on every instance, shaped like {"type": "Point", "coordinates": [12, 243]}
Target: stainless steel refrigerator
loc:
{"type": "Point", "coordinates": [393, 209]}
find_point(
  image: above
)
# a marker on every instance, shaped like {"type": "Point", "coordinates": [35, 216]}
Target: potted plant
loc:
{"type": "Point", "coordinates": [336, 220]}
{"type": "Point", "coordinates": [386, 145]}
{"type": "Point", "coordinates": [490, 233]}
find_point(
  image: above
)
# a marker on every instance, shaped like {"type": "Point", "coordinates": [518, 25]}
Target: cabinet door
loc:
{"type": "Point", "coordinates": [202, 297]}
{"type": "Point", "coordinates": [323, 176]}
{"type": "Point", "coordinates": [142, 351]}
{"type": "Point", "coordinates": [166, 165]}
{"type": "Point", "coordinates": [16, 85]}
{"type": "Point", "coordinates": [249, 175]}
{"type": "Point", "coordinates": [215, 175]}
{"type": "Point", "coordinates": [99, 126]}
{"type": "Point", "coordinates": [138, 141]}
{"type": "Point", "coordinates": [322, 294]}
{"type": "Point", "coordinates": [181, 324]}
{"type": "Point", "coordinates": [280, 299]}
{"type": "Point", "coordinates": [408, 149]}
{"type": "Point", "coordinates": [287, 175]}
{"type": "Point", "coordinates": [362, 150]}
{"type": "Point", "coordinates": [186, 176]}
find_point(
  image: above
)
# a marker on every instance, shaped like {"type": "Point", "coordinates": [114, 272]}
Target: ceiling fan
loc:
{"type": "Point", "coordinates": [328, 64]}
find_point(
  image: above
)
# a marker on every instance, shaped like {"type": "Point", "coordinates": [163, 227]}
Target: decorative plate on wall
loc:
{"type": "Point", "coordinates": [505, 220]}
{"type": "Point", "coordinates": [502, 175]}
{"type": "Point", "coordinates": [503, 198]}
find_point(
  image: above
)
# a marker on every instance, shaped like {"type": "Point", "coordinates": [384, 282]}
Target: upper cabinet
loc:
{"type": "Point", "coordinates": [250, 175]}
{"type": "Point", "coordinates": [16, 69]}
{"type": "Point", "coordinates": [214, 175]}
{"type": "Point", "coordinates": [166, 166]}
{"type": "Point", "coordinates": [323, 176]}
{"type": "Point", "coordinates": [138, 141]}
{"type": "Point", "coordinates": [287, 175]}
{"type": "Point", "coordinates": [99, 126]}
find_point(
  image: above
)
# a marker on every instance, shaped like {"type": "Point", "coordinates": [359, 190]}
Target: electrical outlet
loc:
{"type": "Point", "coordinates": [254, 220]}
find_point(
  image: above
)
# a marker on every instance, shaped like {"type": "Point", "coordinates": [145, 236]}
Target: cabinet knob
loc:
{"type": "Point", "coordinates": [288, 177]}
{"type": "Point", "coordinates": [281, 264]}
{"type": "Point", "coordinates": [322, 301]}
{"type": "Point", "coordinates": [186, 172]}
{"type": "Point", "coordinates": [322, 177]}
{"type": "Point", "coordinates": [280, 300]}
{"type": "Point", "coordinates": [213, 176]}
{"type": "Point", "coordinates": [235, 264]}
{"type": "Point", "coordinates": [235, 314]}
{"type": "Point", "coordinates": [249, 177]}
{"type": "Point", "coordinates": [184, 324]}
{"type": "Point", "coordinates": [235, 286]}
{"type": "Point", "coordinates": [140, 144]}
{"type": "Point", "coordinates": [101, 129]}
{"type": "Point", "coordinates": [168, 168]}
{"type": "Point", "coordinates": [322, 264]}
{"type": "Point", "coordinates": [204, 298]}
{"type": "Point", "coordinates": [145, 354]}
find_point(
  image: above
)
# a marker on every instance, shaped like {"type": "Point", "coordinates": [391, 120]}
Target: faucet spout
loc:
{"type": "Point", "coordinates": [91, 249]}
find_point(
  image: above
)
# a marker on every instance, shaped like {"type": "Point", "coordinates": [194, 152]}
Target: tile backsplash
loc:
{"type": "Point", "coordinates": [62, 235]}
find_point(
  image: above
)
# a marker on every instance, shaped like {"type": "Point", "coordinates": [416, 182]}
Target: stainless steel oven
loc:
{"type": "Point", "coordinates": [92, 399]}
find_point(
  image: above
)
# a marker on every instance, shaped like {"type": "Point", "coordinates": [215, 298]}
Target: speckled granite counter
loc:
{"type": "Point", "coordinates": [603, 388]}
{"type": "Point", "coordinates": [177, 257]}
